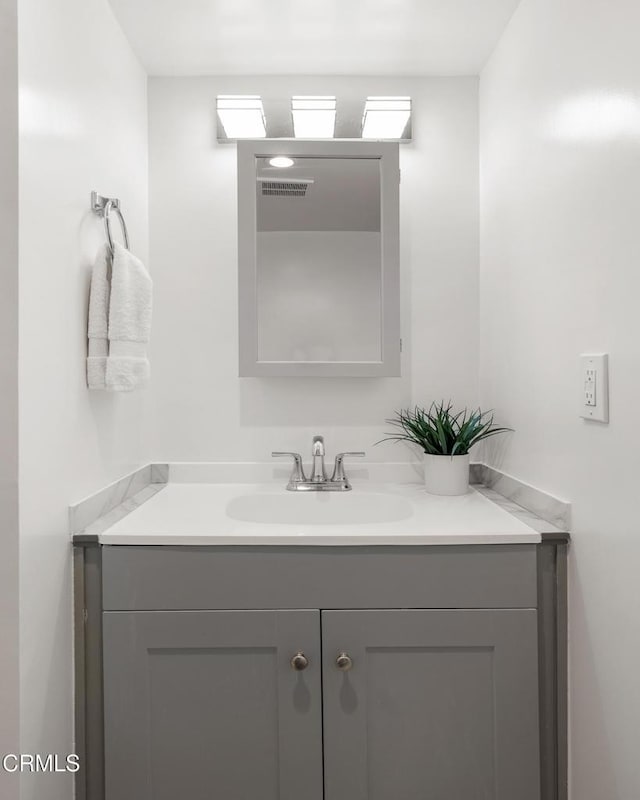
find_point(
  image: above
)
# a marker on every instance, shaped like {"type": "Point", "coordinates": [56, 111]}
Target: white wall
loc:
{"type": "Point", "coordinates": [9, 633]}
{"type": "Point", "coordinates": [83, 126]}
{"type": "Point", "coordinates": [560, 275]}
{"type": "Point", "coordinates": [200, 409]}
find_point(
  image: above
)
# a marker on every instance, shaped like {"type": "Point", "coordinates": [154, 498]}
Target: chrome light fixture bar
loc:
{"type": "Point", "coordinates": [313, 117]}
{"type": "Point", "coordinates": [241, 116]}
{"type": "Point", "coordinates": [386, 117]}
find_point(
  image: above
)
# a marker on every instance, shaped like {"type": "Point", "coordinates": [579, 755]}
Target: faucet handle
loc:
{"type": "Point", "coordinates": [338, 470]}
{"type": "Point", "coordinates": [297, 475]}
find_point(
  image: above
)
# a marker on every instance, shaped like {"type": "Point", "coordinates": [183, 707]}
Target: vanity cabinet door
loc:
{"type": "Point", "coordinates": [431, 705]}
{"type": "Point", "coordinates": [203, 705]}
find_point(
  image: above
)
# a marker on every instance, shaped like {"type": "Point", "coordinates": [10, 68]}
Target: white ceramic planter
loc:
{"type": "Point", "coordinates": [447, 475]}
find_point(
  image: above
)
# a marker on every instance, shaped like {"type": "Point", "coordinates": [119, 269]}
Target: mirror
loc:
{"type": "Point", "coordinates": [318, 258]}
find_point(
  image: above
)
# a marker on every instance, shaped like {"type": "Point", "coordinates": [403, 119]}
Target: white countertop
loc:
{"type": "Point", "coordinates": [371, 514]}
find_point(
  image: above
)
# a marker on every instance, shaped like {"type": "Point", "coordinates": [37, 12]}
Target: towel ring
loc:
{"type": "Point", "coordinates": [103, 206]}
{"type": "Point", "coordinates": [113, 205]}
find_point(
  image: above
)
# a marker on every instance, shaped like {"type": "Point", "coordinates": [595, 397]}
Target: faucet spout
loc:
{"type": "Point", "coordinates": [318, 481]}
{"type": "Point", "coordinates": [318, 471]}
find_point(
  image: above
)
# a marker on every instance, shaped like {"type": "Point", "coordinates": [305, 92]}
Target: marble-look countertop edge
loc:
{"type": "Point", "coordinates": [547, 530]}
{"type": "Point", "coordinates": [93, 531]}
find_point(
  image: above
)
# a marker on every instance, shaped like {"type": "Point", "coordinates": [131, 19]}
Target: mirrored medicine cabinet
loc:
{"type": "Point", "coordinates": [318, 248]}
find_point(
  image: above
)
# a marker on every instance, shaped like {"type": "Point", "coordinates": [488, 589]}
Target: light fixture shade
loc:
{"type": "Point", "coordinates": [242, 116]}
{"type": "Point", "coordinates": [386, 117]}
{"type": "Point", "coordinates": [313, 117]}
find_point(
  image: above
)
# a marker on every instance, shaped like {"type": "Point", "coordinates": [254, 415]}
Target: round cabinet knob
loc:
{"type": "Point", "coordinates": [299, 662]}
{"type": "Point", "coordinates": [344, 662]}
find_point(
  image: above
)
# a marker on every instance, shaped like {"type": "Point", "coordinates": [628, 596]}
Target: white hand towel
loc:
{"type": "Point", "coordinates": [127, 365]}
{"type": "Point", "coordinates": [98, 320]}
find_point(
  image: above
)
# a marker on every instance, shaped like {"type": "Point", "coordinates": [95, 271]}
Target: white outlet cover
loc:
{"type": "Point", "coordinates": [594, 387]}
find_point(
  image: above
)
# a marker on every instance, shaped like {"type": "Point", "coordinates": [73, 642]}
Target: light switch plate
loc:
{"type": "Point", "coordinates": [594, 387]}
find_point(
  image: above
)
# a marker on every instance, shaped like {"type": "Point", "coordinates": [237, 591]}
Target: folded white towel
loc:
{"type": "Point", "coordinates": [119, 322]}
{"type": "Point", "coordinates": [99, 320]}
{"type": "Point", "coordinates": [129, 322]}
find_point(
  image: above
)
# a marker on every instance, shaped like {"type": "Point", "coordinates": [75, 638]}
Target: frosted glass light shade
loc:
{"type": "Point", "coordinates": [313, 117]}
{"type": "Point", "coordinates": [385, 117]}
{"type": "Point", "coordinates": [242, 116]}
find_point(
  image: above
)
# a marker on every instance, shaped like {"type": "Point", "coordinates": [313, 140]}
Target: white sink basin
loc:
{"type": "Point", "coordinates": [320, 508]}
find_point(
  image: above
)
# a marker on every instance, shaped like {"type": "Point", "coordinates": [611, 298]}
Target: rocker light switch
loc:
{"type": "Point", "coordinates": [595, 387]}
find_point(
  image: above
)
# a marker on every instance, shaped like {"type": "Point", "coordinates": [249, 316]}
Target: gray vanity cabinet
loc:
{"type": "Point", "coordinates": [417, 703]}
{"type": "Point", "coordinates": [434, 673]}
{"type": "Point", "coordinates": [204, 704]}
{"type": "Point", "coordinates": [435, 705]}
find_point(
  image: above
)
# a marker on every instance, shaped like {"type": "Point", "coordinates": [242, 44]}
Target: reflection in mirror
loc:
{"type": "Point", "coordinates": [319, 260]}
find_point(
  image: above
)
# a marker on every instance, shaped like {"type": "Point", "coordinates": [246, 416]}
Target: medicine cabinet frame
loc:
{"type": "Point", "coordinates": [388, 154]}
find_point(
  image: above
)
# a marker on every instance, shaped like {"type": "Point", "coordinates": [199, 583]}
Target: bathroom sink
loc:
{"type": "Point", "coordinates": [319, 508]}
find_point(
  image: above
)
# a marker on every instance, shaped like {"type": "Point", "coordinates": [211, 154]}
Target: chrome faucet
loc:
{"type": "Point", "coordinates": [318, 481]}
{"type": "Point", "coordinates": [318, 471]}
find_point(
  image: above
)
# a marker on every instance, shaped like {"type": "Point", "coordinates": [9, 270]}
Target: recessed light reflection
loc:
{"type": "Point", "coordinates": [281, 161]}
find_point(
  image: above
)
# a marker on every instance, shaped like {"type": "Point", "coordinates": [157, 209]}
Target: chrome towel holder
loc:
{"type": "Point", "coordinates": [103, 206]}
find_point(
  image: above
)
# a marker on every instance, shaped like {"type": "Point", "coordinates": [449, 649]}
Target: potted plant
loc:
{"type": "Point", "coordinates": [445, 436]}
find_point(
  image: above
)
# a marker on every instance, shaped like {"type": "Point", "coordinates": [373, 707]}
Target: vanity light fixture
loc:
{"type": "Point", "coordinates": [385, 117]}
{"type": "Point", "coordinates": [242, 116]}
{"type": "Point", "coordinates": [281, 162]}
{"type": "Point", "coordinates": [313, 117]}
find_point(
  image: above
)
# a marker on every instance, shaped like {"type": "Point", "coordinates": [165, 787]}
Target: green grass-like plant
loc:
{"type": "Point", "coordinates": [440, 431]}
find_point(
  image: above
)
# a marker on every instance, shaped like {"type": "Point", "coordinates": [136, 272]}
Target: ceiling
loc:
{"type": "Point", "coordinates": [313, 37]}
